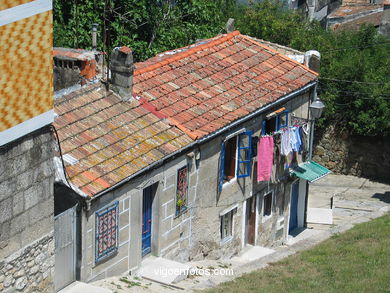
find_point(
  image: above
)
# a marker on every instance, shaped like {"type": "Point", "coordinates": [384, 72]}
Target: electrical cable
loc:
{"type": "Point", "coordinates": [356, 47]}
{"type": "Point", "coordinates": [353, 81]}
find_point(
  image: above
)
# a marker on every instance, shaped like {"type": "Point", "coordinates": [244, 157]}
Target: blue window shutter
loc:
{"type": "Point", "coordinates": [221, 167]}
{"type": "Point", "coordinates": [286, 118]}
{"type": "Point", "coordinates": [263, 130]}
{"type": "Point", "coordinates": [279, 126]}
{"type": "Point", "coordinates": [244, 163]}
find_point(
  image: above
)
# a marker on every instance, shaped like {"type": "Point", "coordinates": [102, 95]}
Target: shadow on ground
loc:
{"type": "Point", "coordinates": [385, 197]}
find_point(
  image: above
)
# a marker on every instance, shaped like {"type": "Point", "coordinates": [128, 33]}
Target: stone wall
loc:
{"type": "Point", "coordinates": [30, 269]}
{"type": "Point", "coordinates": [353, 155]}
{"type": "Point", "coordinates": [26, 206]}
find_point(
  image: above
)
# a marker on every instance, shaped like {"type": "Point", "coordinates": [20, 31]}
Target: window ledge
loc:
{"type": "Point", "coordinates": [231, 181]}
{"type": "Point", "coordinates": [226, 240]}
{"type": "Point", "coordinates": [266, 218]}
{"type": "Point", "coordinates": [182, 211]}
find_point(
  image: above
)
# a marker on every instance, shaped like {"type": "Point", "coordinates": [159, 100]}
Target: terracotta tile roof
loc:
{"type": "Point", "coordinates": [210, 84]}
{"type": "Point", "coordinates": [199, 89]}
{"type": "Point", "coordinates": [111, 139]}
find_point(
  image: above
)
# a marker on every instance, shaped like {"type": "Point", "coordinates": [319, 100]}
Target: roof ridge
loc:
{"type": "Point", "coordinates": [279, 54]}
{"type": "Point", "coordinates": [187, 53]}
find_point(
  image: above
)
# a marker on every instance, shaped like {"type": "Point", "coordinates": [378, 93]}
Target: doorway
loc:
{"type": "Point", "coordinates": [147, 202]}
{"type": "Point", "coordinates": [250, 220]}
{"type": "Point", "coordinates": [293, 222]}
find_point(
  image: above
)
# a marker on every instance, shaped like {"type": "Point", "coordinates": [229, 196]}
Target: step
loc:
{"type": "Point", "coordinates": [80, 287]}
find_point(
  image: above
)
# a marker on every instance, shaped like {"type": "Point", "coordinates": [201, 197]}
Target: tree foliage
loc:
{"type": "Point", "coordinates": [362, 56]}
{"type": "Point", "coordinates": [154, 26]}
{"type": "Point", "coordinates": [148, 26]}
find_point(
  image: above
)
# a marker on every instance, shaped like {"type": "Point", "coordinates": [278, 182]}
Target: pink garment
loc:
{"type": "Point", "coordinates": [265, 158]}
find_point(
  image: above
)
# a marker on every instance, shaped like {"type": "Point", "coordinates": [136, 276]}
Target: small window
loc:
{"type": "Point", "coordinates": [230, 159]}
{"type": "Point", "coordinates": [182, 190]}
{"type": "Point", "coordinates": [267, 205]}
{"type": "Point", "coordinates": [270, 125]}
{"type": "Point", "coordinates": [275, 121]}
{"type": "Point", "coordinates": [227, 225]}
{"type": "Point", "coordinates": [106, 232]}
{"type": "Point", "coordinates": [282, 120]}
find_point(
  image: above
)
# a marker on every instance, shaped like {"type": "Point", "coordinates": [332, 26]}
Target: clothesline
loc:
{"type": "Point", "coordinates": [281, 131]}
{"type": "Point", "coordinates": [292, 141]}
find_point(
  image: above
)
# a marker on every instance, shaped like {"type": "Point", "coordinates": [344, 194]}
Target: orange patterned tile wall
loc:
{"type": "Point", "coordinates": [5, 4]}
{"type": "Point", "coordinates": [26, 67]}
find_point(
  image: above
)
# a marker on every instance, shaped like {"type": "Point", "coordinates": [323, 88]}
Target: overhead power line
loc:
{"type": "Point", "coordinates": [354, 81]}
{"type": "Point", "coordinates": [357, 47]}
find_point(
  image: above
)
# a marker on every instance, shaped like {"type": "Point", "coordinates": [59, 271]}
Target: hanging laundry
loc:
{"type": "Point", "coordinates": [303, 136]}
{"type": "Point", "coordinates": [265, 157]}
{"type": "Point", "coordinates": [293, 139]}
{"type": "Point", "coordinates": [277, 167]}
{"type": "Point", "coordinates": [286, 143]}
{"type": "Point", "coordinates": [296, 141]}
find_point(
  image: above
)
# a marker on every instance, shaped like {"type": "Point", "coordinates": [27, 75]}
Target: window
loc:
{"type": "Point", "coordinates": [230, 159]}
{"type": "Point", "coordinates": [227, 225]}
{"type": "Point", "coordinates": [267, 204]}
{"type": "Point", "coordinates": [235, 157]}
{"type": "Point", "coordinates": [182, 190]}
{"type": "Point", "coordinates": [106, 232]}
{"type": "Point", "coordinates": [275, 121]}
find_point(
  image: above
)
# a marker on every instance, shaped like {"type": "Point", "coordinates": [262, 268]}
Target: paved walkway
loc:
{"type": "Point", "coordinates": [355, 200]}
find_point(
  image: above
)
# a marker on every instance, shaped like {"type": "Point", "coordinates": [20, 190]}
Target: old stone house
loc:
{"type": "Point", "coordinates": [163, 160]}
{"type": "Point", "coordinates": [26, 147]}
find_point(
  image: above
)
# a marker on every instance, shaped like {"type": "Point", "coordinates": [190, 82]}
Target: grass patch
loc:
{"type": "Point", "coordinates": [355, 261]}
{"type": "Point", "coordinates": [129, 282]}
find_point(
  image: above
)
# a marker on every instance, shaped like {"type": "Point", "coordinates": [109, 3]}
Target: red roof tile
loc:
{"type": "Point", "coordinates": [200, 83]}
{"type": "Point", "coordinates": [109, 137]}
{"type": "Point", "coordinates": [180, 96]}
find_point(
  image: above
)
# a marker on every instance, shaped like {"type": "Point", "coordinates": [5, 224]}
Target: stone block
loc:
{"type": "Point", "coordinates": [20, 283]}
{"type": "Point", "coordinates": [171, 208]}
{"type": "Point", "coordinates": [19, 223]}
{"type": "Point", "coordinates": [33, 195]}
{"type": "Point", "coordinates": [18, 203]}
{"type": "Point", "coordinates": [41, 210]}
{"type": "Point", "coordinates": [118, 268]}
{"type": "Point", "coordinates": [124, 235]}
{"type": "Point", "coordinates": [124, 219]}
{"type": "Point", "coordinates": [24, 180]}
{"type": "Point", "coordinates": [126, 204]}
{"type": "Point", "coordinates": [171, 237]}
{"type": "Point", "coordinates": [5, 210]}
{"type": "Point", "coordinates": [166, 224]}
{"type": "Point", "coordinates": [170, 181]}
{"type": "Point", "coordinates": [19, 165]}
{"type": "Point", "coordinates": [7, 188]}
{"type": "Point", "coordinates": [30, 234]}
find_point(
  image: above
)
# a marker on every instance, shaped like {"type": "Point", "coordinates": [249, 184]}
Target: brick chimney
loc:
{"type": "Point", "coordinates": [122, 68]}
{"type": "Point", "coordinates": [73, 67]}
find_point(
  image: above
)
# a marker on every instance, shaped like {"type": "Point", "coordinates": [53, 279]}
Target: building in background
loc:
{"type": "Point", "coordinates": [26, 172]}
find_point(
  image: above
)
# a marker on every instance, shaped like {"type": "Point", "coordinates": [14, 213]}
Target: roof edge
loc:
{"type": "Point", "coordinates": [187, 53]}
{"type": "Point", "coordinates": [279, 54]}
